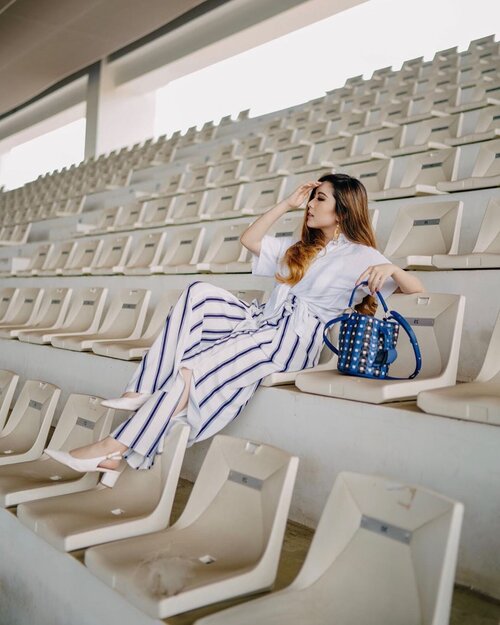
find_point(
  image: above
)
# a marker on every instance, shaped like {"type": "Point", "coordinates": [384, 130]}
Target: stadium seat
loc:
{"type": "Point", "coordinates": [132, 349]}
{"type": "Point", "coordinates": [374, 145]}
{"type": "Point", "coordinates": [259, 167]}
{"type": "Point", "coordinates": [384, 551]}
{"type": "Point", "coordinates": [124, 319]}
{"type": "Point", "coordinates": [40, 257]}
{"type": "Point", "coordinates": [303, 158]}
{"type": "Point", "coordinates": [126, 218]}
{"type": "Point", "coordinates": [140, 503]}
{"type": "Point", "coordinates": [7, 297]}
{"type": "Point", "coordinates": [422, 230]}
{"type": "Point", "coordinates": [85, 254]}
{"type": "Point", "coordinates": [474, 95]}
{"type": "Point", "coordinates": [154, 212]}
{"type": "Point", "coordinates": [8, 384]}
{"type": "Point", "coordinates": [61, 254]}
{"type": "Point", "coordinates": [474, 401]}
{"type": "Point", "coordinates": [486, 126]}
{"type": "Point", "coordinates": [51, 313]}
{"type": "Point", "coordinates": [486, 252]}
{"type": "Point", "coordinates": [375, 175]}
{"type": "Point", "coordinates": [114, 252]}
{"type": "Point", "coordinates": [83, 421]}
{"type": "Point", "coordinates": [252, 145]}
{"type": "Point", "coordinates": [15, 235]}
{"type": "Point", "coordinates": [484, 170]}
{"type": "Point", "coordinates": [182, 252]}
{"type": "Point", "coordinates": [422, 174]}
{"type": "Point", "coordinates": [226, 543]}
{"type": "Point", "coordinates": [223, 153]}
{"type": "Point", "coordinates": [222, 203]}
{"type": "Point", "coordinates": [147, 252]}
{"type": "Point", "coordinates": [105, 222]}
{"type": "Point", "coordinates": [258, 197]}
{"type": "Point", "coordinates": [186, 208]}
{"type": "Point", "coordinates": [83, 317]}
{"type": "Point", "coordinates": [226, 174]}
{"type": "Point", "coordinates": [24, 436]}
{"type": "Point", "coordinates": [436, 319]}
{"type": "Point", "coordinates": [23, 309]}
{"type": "Point", "coordinates": [426, 135]}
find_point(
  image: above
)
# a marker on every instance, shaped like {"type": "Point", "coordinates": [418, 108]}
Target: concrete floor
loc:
{"type": "Point", "coordinates": [468, 607]}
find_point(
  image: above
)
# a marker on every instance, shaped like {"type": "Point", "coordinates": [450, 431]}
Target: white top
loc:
{"type": "Point", "coordinates": [326, 286]}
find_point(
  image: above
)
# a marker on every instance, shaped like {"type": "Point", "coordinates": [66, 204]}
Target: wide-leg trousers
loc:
{"type": "Point", "coordinates": [229, 349]}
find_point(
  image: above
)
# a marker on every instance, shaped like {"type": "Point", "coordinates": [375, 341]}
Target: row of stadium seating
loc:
{"type": "Point", "coordinates": [165, 569]}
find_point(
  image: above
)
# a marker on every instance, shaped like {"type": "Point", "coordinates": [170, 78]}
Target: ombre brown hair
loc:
{"type": "Point", "coordinates": [351, 207]}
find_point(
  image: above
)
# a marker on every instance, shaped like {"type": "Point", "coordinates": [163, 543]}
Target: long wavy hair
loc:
{"type": "Point", "coordinates": [351, 207]}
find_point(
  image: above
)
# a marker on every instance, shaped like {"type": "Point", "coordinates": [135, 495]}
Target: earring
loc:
{"type": "Point", "coordinates": [336, 234]}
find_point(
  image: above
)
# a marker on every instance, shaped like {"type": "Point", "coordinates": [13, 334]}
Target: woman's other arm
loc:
{"type": "Point", "coordinates": [253, 235]}
{"type": "Point", "coordinates": [376, 275]}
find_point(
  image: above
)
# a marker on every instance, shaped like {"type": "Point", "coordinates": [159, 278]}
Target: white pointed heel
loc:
{"type": "Point", "coordinates": [110, 478]}
{"type": "Point", "coordinates": [126, 403]}
{"type": "Point", "coordinates": [83, 465]}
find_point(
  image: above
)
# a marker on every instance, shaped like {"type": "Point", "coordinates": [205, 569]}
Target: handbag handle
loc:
{"type": "Point", "coordinates": [395, 315]}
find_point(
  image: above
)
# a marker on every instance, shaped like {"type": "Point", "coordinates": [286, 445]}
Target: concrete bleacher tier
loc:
{"type": "Point", "coordinates": [93, 256]}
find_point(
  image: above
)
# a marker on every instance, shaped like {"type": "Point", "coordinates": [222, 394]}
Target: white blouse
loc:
{"type": "Point", "coordinates": [327, 284]}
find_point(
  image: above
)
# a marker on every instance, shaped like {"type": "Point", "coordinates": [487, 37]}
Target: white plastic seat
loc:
{"type": "Point", "coordinates": [485, 128]}
{"type": "Point", "coordinates": [375, 176]}
{"type": "Point", "coordinates": [8, 384]}
{"type": "Point", "coordinates": [186, 208]}
{"type": "Point", "coordinates": [154, 212]}
{"type": "Point", "coordinates": [295, 160]}
{"type": "Point", "coordinates": [258, 197]}
{"type": "Point", "coordinates": [198, 179]}
{"type": "Point", "coordinates": [182, 252]}
{"type": "Point", "coordinates": [25, 434]}
{"type": "Point", "coordinates": [226, 543]}
{"type": "Point", "coordinates": [428, 134]}
{"type": "Point", "coordinates": [140, 503]}
{"type": "Point", "coordinates": [259, 167]}
{"type": "Point", "coordinates": [474, 95]}
{"type": "Point", "coordinates": [83, 317]}
{"type": "Point", "coordinates": [16, 235]}
{"type": "Point", "coordinates": [23, 308]}
{"type": "Point", "coordinates": [106, 222]}
{"type": "Point", "coordinates": [113, 253]}
{"type": "Point", "coordinates": [7, 296]}
{"type": "Point", "coordinates": [226, 174]}
{"type": "Point", "coordinates": [374, 145]}
{"type": "Point", "coordinates": [147, 253]}
{"type": "Point", "coordinates": [71, 206]}
{"type": "Point", "coordinates": [486, 252]}
{"type": "Point", "coordinates": [252, 145]}
{"type": "Point", "coordinates": [124, 319]}
{"type": "Point", "coordinates": [60, 256]}
{"type": "Point", "coordinates": [40, 257]}
{"type": "Point", "coordinates": [85, 254]}
{"type": "Point", "coordinates": [51, 313]}
{"type": "Point", "coordinates": [485, 170]}
{"type": "Point", "coordinates": [385, 551]}
{"type": "Point", "coordinates": [225, 253]}
{"type": "Point", "coordinates": [436, 319]}
{"type": "Point", "coordinates": [223, 153]}
{"type": "Point", "coordinates": [422, 230]}
{"type": "Point", "coordinates": [222, 203]}
{"type": "Point", "coordinates": [83, 421]}
{"type": "Point", "coordinates": [327, 154]}
{"type": "Point", "coordinates": [126, 218]}
{"type": "Point", "coordinates": [423, 174]}
{"type": "Point", "coordinates": [474, 401]}
{"type": "Point", "coordinates": [132, 349]}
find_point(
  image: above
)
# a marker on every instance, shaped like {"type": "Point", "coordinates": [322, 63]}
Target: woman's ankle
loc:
{"type": "Point", "coordinates": [132, 394]}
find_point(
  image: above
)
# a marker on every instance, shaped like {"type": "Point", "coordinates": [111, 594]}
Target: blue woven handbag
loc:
{"type": "Point", "coordinates": [367, 345]}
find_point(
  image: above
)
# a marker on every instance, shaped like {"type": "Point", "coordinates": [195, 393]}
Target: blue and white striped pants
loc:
{"type": "Point", "coordinates": [227, 363]}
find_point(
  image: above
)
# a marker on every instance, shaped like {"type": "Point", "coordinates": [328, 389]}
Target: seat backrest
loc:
{"type": "Point", "coordinates": [488, 119]}
{"type": "Point", "coordinates": [295, 157]}
{"type": "Point", "coordinates": [334, 150]}
{"type": "Point", "coordinates": [126, 313]}
{"type": "Point", "coordinates": [108, 217]}
{"type": "Point", "coordinates": [128, 216]}
{"type": "Point", "coordinates": [24, 307]}
{"type": "Point", "coordinates": [225, 173]}
{"type": "Point", "coordinates": [155, 211]}
{"type": "Point", "coordinates": [183, 247]}
{"type": "Point", "coordinates": [392, 535]}
{"type": "Point", "coordinates": [491, 366]}
{"type": "Point", "coordinates": [8, 383]}
{"type": "Point", "coordinates": [375, 175]}
{"type": "Point", "coordinates": [35, 401]}
{"type": "Point", "coordinates": [436, 129]}
{"type": "Point", "coordinates": [380, 141]}
{"type": "Point", "coordinates": [225, 246]}
{"type": "Point", "coordinates": [148, 250]}
{"type": "Point", "coordinates": [53, 307]}
{"type": "Point", "coordinates": [436, 319]}
{"type": "Point", "coordinates": [430, 167]}
{"type": "Point", "coordinates": [83, 421]}
{"type": "Point", "coordinates": [84, 254]}
{"type": "Point", "coordinates": [61, 254]}
{"type": "Point", "coordinates": [250, 146]}
{"type": "Point", "coordinates": [488, 159]}
{"type": "Point", "coordinates": [258, 165]}
{"type": "Point", "coordinates": [241, 485]}
{"type": "Point", "coordinates": [7, 297]}
{"type": "Point", "coordinates": [187, 206]}
{"type": "Point", "coordinates": [261, 195]}
{"type": "Point", "coordinates": [160, 312]}
{"type": "Point", "coordinates": [113, 252]}
{"type": "Point", "coordinates": [425, 229]}
{"type": "Point", "coordinates": [41, 255]}
{"type": "Point", "coordinates": [85, 310]}
{"type": "Point", "coordinates": [488, 238]}
{"type": "Point", "coordinates": [223, 200]}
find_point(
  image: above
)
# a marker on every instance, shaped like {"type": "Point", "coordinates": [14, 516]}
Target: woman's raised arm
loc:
{"type": "Point", "coordinates": [253, 235]}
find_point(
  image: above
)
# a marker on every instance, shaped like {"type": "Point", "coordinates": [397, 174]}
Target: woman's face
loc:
{"type": "Point", "coordinates": [321, 210]}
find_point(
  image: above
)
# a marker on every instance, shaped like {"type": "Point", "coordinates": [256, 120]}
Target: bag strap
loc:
{"type": "Point", "coordinates": [395, 315]}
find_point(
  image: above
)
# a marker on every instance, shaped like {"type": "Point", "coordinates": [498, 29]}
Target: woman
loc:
{"type": "Point", "coordinates": [215, 349]}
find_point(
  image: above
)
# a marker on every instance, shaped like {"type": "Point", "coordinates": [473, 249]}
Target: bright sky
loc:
{"type": "Point", "coordinates": [289, 70]}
